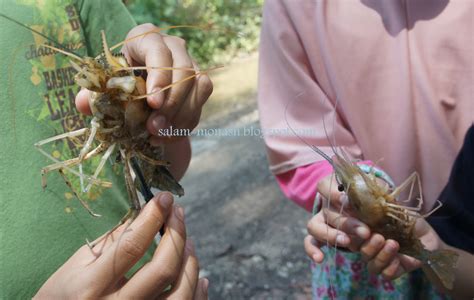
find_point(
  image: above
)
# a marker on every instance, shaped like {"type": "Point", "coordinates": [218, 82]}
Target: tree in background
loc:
{"type": "Point", "coordinates": [234, 24]}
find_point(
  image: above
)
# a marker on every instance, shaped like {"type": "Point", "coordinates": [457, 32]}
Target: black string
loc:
{"type": "Point", "coordinates": [144, 188]}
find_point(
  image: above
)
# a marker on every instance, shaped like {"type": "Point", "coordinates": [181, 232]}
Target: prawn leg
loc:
{"type": "Point", "coordinates": [101, 165]}
{"type": "Point", "coordinates": [439, 204]}
{"type": "Point", "coordinates": [130, 215]}
{"type": "Point", "coordinates": [153, 161]}
{"type": "Point", "coordinates": [105, 184]}
{"type": "Point", "coordinates": [403, 212]}
{"type": "Point", "coordinates": [132, 191]}
{"type": "Point", "coordinates": [410, 181]}
{"type": "Point", "coordinates": [83, 203]}
{"type": "Point", "coordinates": [396, 218]}
{"type": "Point", "coordinates": [70, 163]}
{"type": "Point", "coordinates": [86, 148]}
{"type": "Point", "coordinates": [74, 133]}
{"type": "Point", "coordinates": [61, 164]}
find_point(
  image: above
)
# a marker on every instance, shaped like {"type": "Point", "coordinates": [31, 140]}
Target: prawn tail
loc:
{"type": "Point", "coordinates": [442, 264]}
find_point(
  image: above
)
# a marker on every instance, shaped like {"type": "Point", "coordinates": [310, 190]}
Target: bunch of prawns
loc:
{"type": "Point", "coordinates": [119, 109]}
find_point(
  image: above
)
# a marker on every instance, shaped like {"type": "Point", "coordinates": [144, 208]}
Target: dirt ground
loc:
{"type": "Point", "coordinates": [248, 237]}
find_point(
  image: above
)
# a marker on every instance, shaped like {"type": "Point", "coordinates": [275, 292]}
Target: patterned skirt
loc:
{"type": "Point", "coordinates": [344, 275]}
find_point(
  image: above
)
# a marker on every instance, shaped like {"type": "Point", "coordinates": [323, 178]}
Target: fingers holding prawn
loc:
{"type": "Point", "coordinates": [190, 112]}
{"type": "Point", "coordinates": [174, 90]}
{"type": "Point", "coordinates": [384, 259]}
{"type": "Point", "coordinates": [323, 232]}
{"type": "Point", "coordinates": [336, 229]}
{"type": "Point", "coordinates": [149, 49]}
{"type": "Point", "coordinates": [382, 256]}
{"type": "Point", "coordinates": [184, 79]}
{"type": "Point", "coordinates": [176, 95]}
{"type": "Point", "coordinates": [188, 115]}
{"type": "Point", "coordinates": [371, 247]}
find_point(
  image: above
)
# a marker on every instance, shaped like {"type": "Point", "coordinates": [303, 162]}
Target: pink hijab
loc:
{"type": "Point", "coordinates": [400, 71]}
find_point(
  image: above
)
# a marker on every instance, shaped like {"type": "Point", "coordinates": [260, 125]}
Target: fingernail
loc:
{"type": "Point", "coordinates": [315, 258]}
{"type": "Point", "coordinates": [390, 248]}
{"type": "Point", "coordinates": [362, 231]}
{"type": "Point", "coordinates": [179, 211]}
{"type": "Point", "coordinates": [341, 239]}
{"type": "Point", "coordinates": [165, 200]}
{"type": "Point", "coordinates": [378, 239]}
{"type": "Point", "coordinates": [158, 123]}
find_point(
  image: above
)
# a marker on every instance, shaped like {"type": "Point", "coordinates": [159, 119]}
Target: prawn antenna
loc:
{"type": "Point", "coordinates": [58, 44]}
{"type": "Point", "coordinates": [159, 30]}
{"type": "Point", "coordinates": [70, 54]}
{"type": "Point", "coordinates": [169, 86]}
{"type": "Point", "coordinates": [313, 147]}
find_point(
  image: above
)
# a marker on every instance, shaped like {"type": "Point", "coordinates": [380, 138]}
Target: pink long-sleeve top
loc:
{"type": "Point", "coordinates": [398, 74]}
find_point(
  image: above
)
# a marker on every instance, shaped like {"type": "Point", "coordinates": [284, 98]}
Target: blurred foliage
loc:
{"type": "Point", "coordinates": [233, 25]}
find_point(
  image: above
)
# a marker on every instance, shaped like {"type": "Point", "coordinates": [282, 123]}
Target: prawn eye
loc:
{"type": "Point", "coordinates": [140, 73]}
{"type": "Point", "coordinates": [340, 188]}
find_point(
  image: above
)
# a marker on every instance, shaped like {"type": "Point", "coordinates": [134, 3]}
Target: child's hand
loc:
{"type": "Point", "coordinates": [381, 255]}
{"type": "Point", "coordinates": [332, 224]}
{"type": "Point", "coordinates": [179, 106]}
{"type": "Point", "coordinates": [330, 227]}
{"type": "Point", "coordinates": [99, 272]}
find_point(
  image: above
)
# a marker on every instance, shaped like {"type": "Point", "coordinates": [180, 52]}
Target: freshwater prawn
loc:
{"type": "Point", "coordinates": [118, 127]}
{"type": "Point", "coordinates": [119, 114]}
{"type": "Point", "coordinates": [379, 207]}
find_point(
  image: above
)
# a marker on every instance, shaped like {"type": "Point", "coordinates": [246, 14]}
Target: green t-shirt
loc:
{"type": "Point", "coordinates": [41, 229]}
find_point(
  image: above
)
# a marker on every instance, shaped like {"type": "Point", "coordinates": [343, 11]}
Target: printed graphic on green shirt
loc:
{"type": "Point", "coordinates": [53, 75]}
{"type": "Point", "coordinates": [37, 93]}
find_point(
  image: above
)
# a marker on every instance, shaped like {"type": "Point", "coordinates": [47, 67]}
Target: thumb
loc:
{"type": "Point", "coordinates": [82, 102]}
